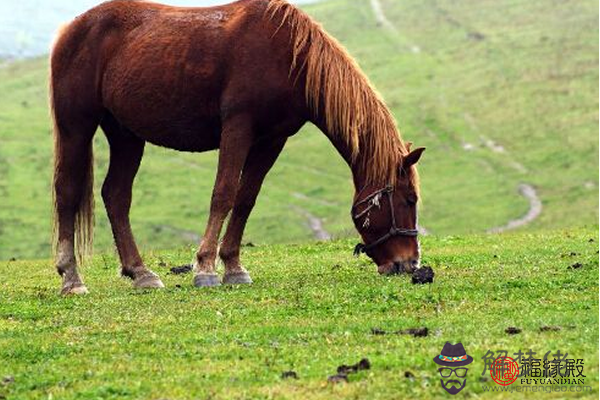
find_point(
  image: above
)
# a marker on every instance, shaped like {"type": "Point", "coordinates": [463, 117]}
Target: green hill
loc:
{"type": "Point", "coordinates": [502, 92]}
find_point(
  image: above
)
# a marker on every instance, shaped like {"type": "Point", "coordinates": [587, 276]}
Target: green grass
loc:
{"type": "Point", "coordinates": [311, 309]}
{"type": "Point", "coordinates": [520, 73]}
{"type": "Point", "coordinates": [531, 86]}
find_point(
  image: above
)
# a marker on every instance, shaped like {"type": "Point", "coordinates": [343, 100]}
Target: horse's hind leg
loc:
{"type": "Point", "coordinates": [126, 151]}
{"type": "Point", "coordinates": [72, 196]}
{"type": "Point", "coordinates": [259, 162]}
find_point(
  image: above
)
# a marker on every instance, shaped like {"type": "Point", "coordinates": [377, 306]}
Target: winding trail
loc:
{"type": "Point", "coordinates": [380, 16]}
{"type": "Point", "coordinates": [384, 22]}
{"type": "Point", "coordinates": [526, 190]}
{"type": "Point", "coordinates": [315, 224]}
{"type": "Point", "coordinates": [535, 209]}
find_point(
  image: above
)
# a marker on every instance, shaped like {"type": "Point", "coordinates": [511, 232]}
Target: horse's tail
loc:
{"type": "Point", "coordinates": [84, 208]}
{"type": "Point", "coordinates": [84, 214]}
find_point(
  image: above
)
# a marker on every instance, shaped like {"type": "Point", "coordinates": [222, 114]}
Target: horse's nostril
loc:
{"type": "Point", "coordinates": [414, 263]}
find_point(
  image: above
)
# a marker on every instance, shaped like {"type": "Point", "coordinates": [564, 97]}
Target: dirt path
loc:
{"type": "Point", "coordinates": [380, 16]}
{"type": "Point", "coordinates": [525, 189]}
{"type": "Point", "coordinates": [535, 209]}
{"type": "Point", "coordinates": [384, 22]}
{"type": "Point", "coordinates": [315, 224]}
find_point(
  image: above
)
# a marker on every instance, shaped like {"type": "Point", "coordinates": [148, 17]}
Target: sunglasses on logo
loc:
{"type": "Point", "coordinates": [447, 372]}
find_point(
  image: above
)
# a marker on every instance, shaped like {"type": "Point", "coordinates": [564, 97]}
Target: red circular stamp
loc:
{"type": "Point", "coordinates": [504, 371]}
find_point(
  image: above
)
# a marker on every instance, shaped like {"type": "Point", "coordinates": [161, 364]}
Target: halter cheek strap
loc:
{"type": "Point", "coordinates": [373, 200]}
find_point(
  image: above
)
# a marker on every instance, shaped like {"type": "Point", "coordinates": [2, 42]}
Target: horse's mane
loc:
{"type": "Point", "coordinates": [353, 109]}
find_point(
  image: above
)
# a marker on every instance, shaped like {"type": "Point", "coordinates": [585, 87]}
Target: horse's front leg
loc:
{"type": "Point", "coordinates": [259, 162]}
{"type": "Point", "coordinates": [236, 139]}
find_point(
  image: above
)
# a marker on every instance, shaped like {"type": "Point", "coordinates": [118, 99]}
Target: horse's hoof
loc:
{"type": "Point", "coordinates": [206, 280]}
{"type": "Point", "coordinates": [149, 280]}
{"type": "Point", "coordinates": [76, 290]}
{"type": "Point", "coordinates": [237, 278]}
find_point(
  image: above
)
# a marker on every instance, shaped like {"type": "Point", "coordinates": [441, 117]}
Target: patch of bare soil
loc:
{"type": "Point", "coordinates": [380, 16]}
{"type": "Point", "coordinates": [315, 224]}
{"type": "Point", "coordinates": [535, 209]}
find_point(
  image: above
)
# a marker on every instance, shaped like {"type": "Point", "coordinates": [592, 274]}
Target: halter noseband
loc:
{"type": "Point", "coordinates": [374, 201]}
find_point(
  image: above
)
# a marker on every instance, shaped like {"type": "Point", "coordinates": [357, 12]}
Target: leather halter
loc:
{"type": "Point", "coordinates": [373, 200]}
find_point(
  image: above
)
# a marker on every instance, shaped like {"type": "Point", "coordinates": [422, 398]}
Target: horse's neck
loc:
{"type": "Point", "coordinates": [358, 175]}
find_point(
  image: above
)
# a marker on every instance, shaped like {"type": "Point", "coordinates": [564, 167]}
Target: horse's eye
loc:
{"type": "Point", "coordinates": [412, 200]}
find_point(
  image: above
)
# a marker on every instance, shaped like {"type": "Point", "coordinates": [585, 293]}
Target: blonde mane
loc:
{"type": "Point", "coordinates": [335, 84]}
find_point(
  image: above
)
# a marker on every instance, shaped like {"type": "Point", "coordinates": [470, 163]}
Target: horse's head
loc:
{"type": "Point", "coordinates": [386, 219]}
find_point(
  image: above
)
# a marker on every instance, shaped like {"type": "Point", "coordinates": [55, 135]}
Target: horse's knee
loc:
{"type": "Point", "coordinates": [112, 197]}
{"type": "Point", "coordinates": [244, 207]}
{"type": "Point", "coordinates": [221, 205]}
{"type": "Point", "coordinates": [223, 198]}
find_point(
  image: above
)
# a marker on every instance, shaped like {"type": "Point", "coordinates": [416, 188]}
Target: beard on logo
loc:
{"type": "Point", "coordinates": [453, 386]}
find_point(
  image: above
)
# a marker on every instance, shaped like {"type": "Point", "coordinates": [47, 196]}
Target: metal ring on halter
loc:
{"type": "Point", "coordinates": [373, 199]}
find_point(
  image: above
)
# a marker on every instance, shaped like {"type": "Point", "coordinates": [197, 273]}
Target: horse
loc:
{"type": "Point", "coordinates": [241, 78]}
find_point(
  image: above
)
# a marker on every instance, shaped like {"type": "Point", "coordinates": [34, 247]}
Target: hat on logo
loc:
{"type": "Point", "coordinates": [453, 355]}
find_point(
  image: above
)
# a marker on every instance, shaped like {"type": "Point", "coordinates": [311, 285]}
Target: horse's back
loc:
{"type": "Point", "coordinates": [167, 73]}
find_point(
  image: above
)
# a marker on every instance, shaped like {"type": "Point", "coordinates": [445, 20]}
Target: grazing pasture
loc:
{"type": "Point", "coordinates": [501, 92]}
{"type": "Point", "coordinates": [311, 309]}
{"type": "Point", "coordinates": [504, 94]}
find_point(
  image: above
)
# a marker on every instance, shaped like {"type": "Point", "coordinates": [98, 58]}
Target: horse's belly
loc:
{"type": "Point", "coordinates": [166, 99]}
{"type": "Point", "coordinates": [189, 134]}
{"type": "Point", "coordinates": [197, 138]}
{"type": "Point", "coordinates": [179, 127]}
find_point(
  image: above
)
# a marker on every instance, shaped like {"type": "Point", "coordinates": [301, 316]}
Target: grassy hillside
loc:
{"type": "Point", "coordinates": [501, 93]}
{"type": "Point", "coordinates": [311, 309]}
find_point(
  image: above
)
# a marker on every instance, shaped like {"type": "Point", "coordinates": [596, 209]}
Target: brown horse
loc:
{"type": "Point", "coordinates": [240, 78]}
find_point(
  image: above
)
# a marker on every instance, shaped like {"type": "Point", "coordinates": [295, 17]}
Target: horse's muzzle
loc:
{"type": "Point", "coordinates": [399, 267]}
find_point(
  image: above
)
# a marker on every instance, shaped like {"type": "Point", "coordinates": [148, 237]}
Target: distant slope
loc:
{"type": "Point", "coordinates": [501, 92]}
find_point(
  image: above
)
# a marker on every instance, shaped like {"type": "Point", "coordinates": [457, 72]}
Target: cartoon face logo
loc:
{"type": "Point", "coordinates": [452, 360]}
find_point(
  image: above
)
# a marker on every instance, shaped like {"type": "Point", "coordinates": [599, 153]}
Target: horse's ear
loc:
{"type": "Point", "coordinates": [413, 157]}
